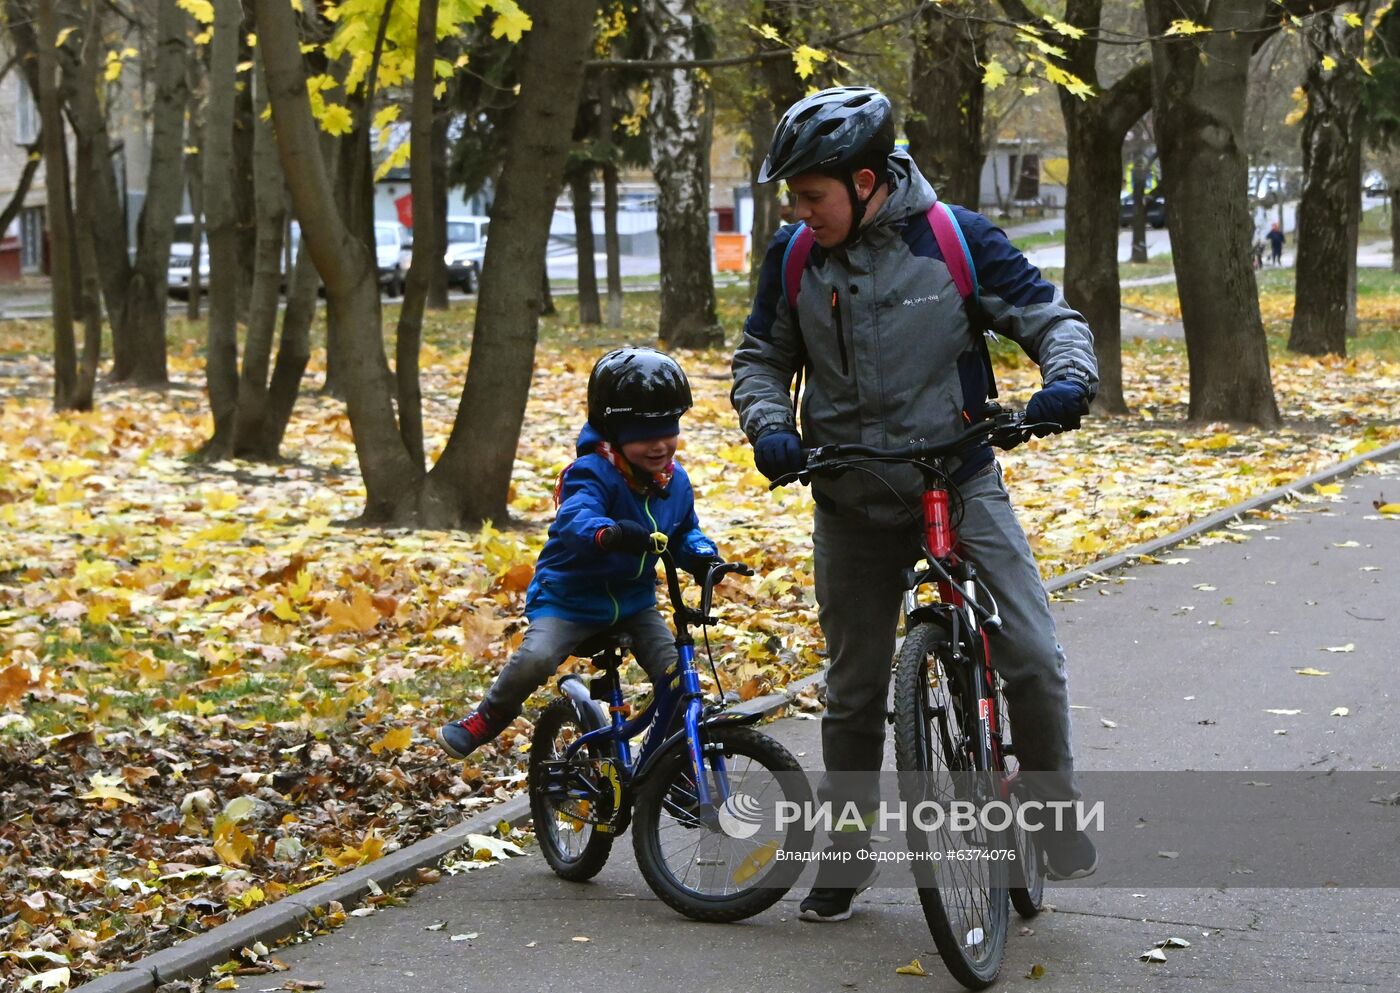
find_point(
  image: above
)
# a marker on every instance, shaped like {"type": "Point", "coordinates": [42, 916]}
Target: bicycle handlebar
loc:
{"type": "Point", "coordinates": [686, 615]}
{"type": "Point", "coordinates": [1003, 428]}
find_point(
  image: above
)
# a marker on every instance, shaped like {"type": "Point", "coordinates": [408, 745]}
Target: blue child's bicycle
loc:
{"type": "Point", "coordinates": [704, 788]}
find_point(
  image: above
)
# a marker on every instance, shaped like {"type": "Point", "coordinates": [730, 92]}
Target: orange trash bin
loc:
{"type": "Point", "coordinates": [730, 255]}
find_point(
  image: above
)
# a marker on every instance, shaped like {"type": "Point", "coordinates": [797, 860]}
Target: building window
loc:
{"type": "Point", "coordinates": [1028, 182]}
{"type": "Point", "coordinates": [26, 115]}
{"type": "Point", "coordinates": [31, 239]}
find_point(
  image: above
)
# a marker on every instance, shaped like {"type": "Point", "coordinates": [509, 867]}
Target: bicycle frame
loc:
{"type": "Point", "coordinates": [679, 693]}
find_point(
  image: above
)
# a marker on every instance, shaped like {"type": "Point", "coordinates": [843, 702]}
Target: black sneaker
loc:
{"type": "Point", "coordinates": [1068, 855]}
{"type": "Point", "coordinates": [830, 904]}
{"type": "Point", "coordinates": [460, 738]}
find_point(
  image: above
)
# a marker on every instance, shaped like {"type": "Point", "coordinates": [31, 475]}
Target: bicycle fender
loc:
{"type": "Point", "coordinates": [938, 614]}
{"type": "Point", "coordinates": [590, 715]}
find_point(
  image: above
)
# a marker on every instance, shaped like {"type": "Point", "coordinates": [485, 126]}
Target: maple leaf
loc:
{"type": "Point", "coordinates": [994, 74]}
{"type": "Point", "coordinates": [357, 615]}
{"type": "Point", "coordinates": [511, 22]}
{"type": "Point", "coordinates": [336, 119]}
{"type": "Point", "coordinates": [201, 10]}
{"type": "Point", "coordinates": [394, 741]}
{"type": "Point", "coordinates": [805, 58]}
{"type": "Point", "coordinates": [15, 682]}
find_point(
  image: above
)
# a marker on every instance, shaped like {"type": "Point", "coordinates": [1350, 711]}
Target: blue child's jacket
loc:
{"type": "Point", "coordinates": [577, 580]}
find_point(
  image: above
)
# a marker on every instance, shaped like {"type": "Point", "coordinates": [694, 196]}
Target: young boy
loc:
{"type": "Point", "coordinates": [598, 568]}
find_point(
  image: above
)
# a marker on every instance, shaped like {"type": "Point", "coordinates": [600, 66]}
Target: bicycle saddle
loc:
{"type": "Point", "coordinates": [604, 648]}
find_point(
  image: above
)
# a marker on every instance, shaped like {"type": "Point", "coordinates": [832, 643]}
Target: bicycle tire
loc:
{"type": "Point", "coordinates": [661, 811]}
{"type": "Point", "coordinates": [584, 856]}
{"type": "Point", "coordinates": [1028, 871]}
{"type": "Point", "coordinates": [970, 933]}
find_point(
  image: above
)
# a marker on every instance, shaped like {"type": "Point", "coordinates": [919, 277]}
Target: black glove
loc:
{"type": "Point", "coordinates": [778, 453]}
{"type": "Point", "coordinates": [1062, 402]}
{"type": "Point", "coordinates": [628, 537]}
{"type": "Point", "coordinates": [700, 568]}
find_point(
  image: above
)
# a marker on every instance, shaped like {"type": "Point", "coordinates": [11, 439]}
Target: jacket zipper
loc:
{"type": "Point", "coordinates": [646, 509]}
{"type": "Point", "coordinates": [617, 608]}
{"type": "Point", "coordinates": [840, 330]}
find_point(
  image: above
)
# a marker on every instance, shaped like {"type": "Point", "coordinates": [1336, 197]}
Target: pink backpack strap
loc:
{"type": "Point", "coordinates": [799, 246]}
{"type": "Point", "coordinates": [953, 245]}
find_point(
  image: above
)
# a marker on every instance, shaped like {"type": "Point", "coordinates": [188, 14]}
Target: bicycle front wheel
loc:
{"type": "Point", "coordinates": [725, 862]}
{"type": "Point", "coordinates": [575, 805]}
{"type": "Point", "coordinates": [962, 875]}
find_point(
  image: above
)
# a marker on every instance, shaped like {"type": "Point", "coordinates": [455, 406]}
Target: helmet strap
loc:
{"type": "Point", "coordinates": [858, 207]}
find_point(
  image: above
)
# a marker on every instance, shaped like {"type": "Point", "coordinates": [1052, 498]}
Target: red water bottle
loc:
{"type": "Point", "coordinates": [938, 525]}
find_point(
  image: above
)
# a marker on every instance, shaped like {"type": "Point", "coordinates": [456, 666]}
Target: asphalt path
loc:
{"type": "Point", "coordinates": [1173, 667]}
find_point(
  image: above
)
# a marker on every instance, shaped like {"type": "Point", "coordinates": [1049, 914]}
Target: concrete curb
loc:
{"type": "Point", "coordinates": [196, 956]}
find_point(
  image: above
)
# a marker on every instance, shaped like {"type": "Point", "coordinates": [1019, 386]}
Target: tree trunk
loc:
{"type": "Point", "coordinates": [1198, 97]}
{"type": "Point", "coordinates": [146, 296]}
{"type": "Point", "coordinates": [293, 353]}
{"type": "Point", "coordinates": [345, 263]}
{"type": "Point", "coordinates": [270, 203]}
{"type": "Point", "coordinates": [1096, 129]}
{"type": "Point", "coordinates": [471, 482]}
{"type": "Point", "coordinates": [681, 122]}
{"type": "Point", "coordinates": [581, 191]}
{"type": "Point", "coordinates": [427, 254]}
{"type": "Point", "coordinates": [782, 88]}
{"type": "Point", "coordinates": [945, 120]}
{"type": "Point", "coordinates": [26, 179]}
{"type": "Point", "coordinates": [1139, 226]}
{"type": "Point", "coordinates": [244, 195]}
{"type": "Point", "coordinates": [767, 207]}
{"type": "Point", "coordinates": [90, 295]}
{"type": "Point", "coordinates": [547, 308]}
{"type": "Point", "coordinates": [194, 176]}
{"type": "Point", "coordinates": [613, 246]}
{"type": "Point", "coordinates": [221, 353]}
{"type": "Point", "coordinates": [611, 243]}
{"type": "Point", "coordinates": [437, 272]}
{"type": "Point", "coordinates": [1330, 209]}
{"type": "Point", "coordinates": [1395, 228]}
{"type": "Point", "coordinates": [196, 188]}
{"type": "Point", "coordinates": [65, 359]}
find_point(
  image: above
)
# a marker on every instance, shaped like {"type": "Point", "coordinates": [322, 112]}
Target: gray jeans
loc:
{"type": "Point", "coordinates": [550, 640]}
{"type": "Point", "coordinates": [860, 580]}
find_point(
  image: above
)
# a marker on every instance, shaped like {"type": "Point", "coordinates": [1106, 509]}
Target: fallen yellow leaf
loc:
{"type": "Point", "coordinates": [914, 968]}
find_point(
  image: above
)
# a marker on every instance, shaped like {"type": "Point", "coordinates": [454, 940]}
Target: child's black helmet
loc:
{"type": "Point", "coordinates": [631, 385]}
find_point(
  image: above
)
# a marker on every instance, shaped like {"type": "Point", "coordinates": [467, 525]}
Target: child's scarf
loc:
{"type": "Point", "coordinates": [637, 481]}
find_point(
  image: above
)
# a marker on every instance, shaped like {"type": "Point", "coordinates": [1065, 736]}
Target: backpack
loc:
{"type": "Point", "coordinates": [956, 256]}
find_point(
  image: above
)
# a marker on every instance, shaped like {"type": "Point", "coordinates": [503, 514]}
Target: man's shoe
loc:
{"type": "Point", "coordinates": [1068, 855]}
{"type": "Point", "coordinates": [830, 904]}
{"type": "Point", "coordinates": [460, 738]}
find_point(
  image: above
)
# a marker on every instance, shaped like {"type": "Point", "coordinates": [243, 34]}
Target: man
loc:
{"type": "Point", "coordinates": [1275, 237]}
{"type": "Point", "coordinates": [889, 355]}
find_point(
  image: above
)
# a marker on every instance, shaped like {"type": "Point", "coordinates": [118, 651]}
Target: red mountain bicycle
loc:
{"type": "Point", "coordinates": [952, 740]}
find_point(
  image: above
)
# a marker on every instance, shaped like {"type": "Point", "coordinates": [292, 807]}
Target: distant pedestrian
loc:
{"type": "Point", "coordinates": [1275, 237]}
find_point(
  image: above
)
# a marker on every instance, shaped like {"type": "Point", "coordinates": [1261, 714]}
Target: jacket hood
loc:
{"type": "Point", "coordinates": [912, 193]}
{"type": "Point", "coordinates": [588, 440]}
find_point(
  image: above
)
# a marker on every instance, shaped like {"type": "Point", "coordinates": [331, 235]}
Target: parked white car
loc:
{"type": "Point", "coordinates": [179, 272]}
{"type": "Point", "coordinates": [466, 247]}
{"type": "Point", "coordinates": [388, 253]}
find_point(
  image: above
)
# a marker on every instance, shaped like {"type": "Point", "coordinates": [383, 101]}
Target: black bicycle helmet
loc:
{"type": "Point", "coordinates": [628, 385]}
{"type": "Point", "coordinates": [834, 131]}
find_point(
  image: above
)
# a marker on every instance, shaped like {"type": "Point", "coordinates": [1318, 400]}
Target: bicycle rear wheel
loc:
{"type": "Point", "coordinates": [574, 807]}
{"type": "Point", "coordinates": [723, 863]}
{"type": "Point", "coordinates": [965, 900]}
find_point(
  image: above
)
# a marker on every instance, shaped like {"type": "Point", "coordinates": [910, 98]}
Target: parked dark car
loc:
{"type": "Point", "coordinates": [1154, 203]}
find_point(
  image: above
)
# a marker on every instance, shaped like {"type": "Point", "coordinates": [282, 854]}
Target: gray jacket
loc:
{"type": "Point", "coordinates": [887, 346]}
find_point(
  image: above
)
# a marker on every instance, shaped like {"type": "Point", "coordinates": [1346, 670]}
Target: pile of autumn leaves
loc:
{"type": "Point", "coordinates": [211, 695]}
